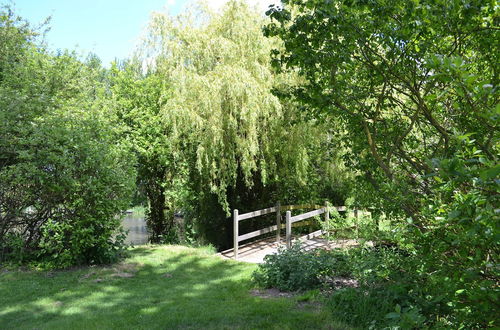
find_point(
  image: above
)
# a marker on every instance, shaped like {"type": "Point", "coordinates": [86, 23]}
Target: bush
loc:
{"type": "Point", "coordinates": [62, 196]}
{"type": "Point", "coordinates": [386, 296]}
{"type": "Point", "coordinates": [64, 173]}
{"type": "Point", "coordinates": [294, 269]}
{"type": "Point", "coordinates": [459, 247]}
{"type": "Point", "coordinates": [374, 308]}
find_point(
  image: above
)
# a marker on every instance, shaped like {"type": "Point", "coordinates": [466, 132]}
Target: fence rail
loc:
{"type": "Point", "coordinates": [320, 209]}
{"type": "Point", "coordinates": [257, 213]}
{"type": "Point", "coordinates": [306, 215]}
{"type": "Point", "coordinates": [257, 233]}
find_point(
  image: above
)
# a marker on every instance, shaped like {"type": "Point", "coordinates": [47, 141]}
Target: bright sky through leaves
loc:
{"type": "Point", "coordinates": [109, 28]}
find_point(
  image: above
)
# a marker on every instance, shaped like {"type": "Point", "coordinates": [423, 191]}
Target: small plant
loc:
{"type": "Point", "coordinates": [12, 248]}
{"type": "Point", "coordinates": [295, 269]}
{"type": "Point", "coordinates": [406, 318]}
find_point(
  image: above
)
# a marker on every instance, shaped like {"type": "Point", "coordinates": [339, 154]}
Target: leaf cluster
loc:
{"type": "Point", "coordinates": [414, 86]}
{"type": "Point", "coordinates": [64, 175]}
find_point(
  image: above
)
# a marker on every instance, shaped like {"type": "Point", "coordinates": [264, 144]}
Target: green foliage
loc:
{"type": "Point", "coordinates": [398, 82]}
{"type": "Point", "coordinates": [65, 191]}
{"type": "Point", "coordinates": [295, 269]}
{"type": "Point", "coordinates": [461, 245]}
{"type": "Point", "coordinates": [379, 299]}
{"type": "Point", "coordinates": [417, 105]}
{"type": "Point", "coordinates": [231, 142]}
{"type": "Point", "coordinates": [64, 175]}
{"type": "Point", "coordinates": [394, 287]}
{"type": "Point", "coordinates": [219, 93]}
{"type": "Point", "coordinates": [374, 309]}
{"type": "Point", "coordinates": [138, 98]}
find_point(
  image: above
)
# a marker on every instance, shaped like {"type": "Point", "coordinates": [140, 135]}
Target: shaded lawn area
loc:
{"type": "Point", "coordinates": [157, 287]}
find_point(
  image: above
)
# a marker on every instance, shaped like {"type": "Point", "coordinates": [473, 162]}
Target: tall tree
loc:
{"type": "Point", "coordinates": [240, 148]}
{"type": "Point", "coordinates": [138, 98]}
{"type": "Point", "coordinates": [401, 82]}
{"type": "Point", "coordinates": [414, 85]}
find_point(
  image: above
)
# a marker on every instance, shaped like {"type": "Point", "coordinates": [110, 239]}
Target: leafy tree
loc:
{"type": "Point", "coordinates": [138, 96]}
{"type": "Point", "coordinates": [63, 176]}
{"type": "Point", "coordinates": [391, 71]}
{"type": "Point", "coordinates": [237, 145]}
{"type": "Point", "coordinates": [414, 85]}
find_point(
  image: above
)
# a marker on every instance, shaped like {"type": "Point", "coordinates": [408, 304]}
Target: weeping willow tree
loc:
{"type": "Point", "coordinates": [239, 143]}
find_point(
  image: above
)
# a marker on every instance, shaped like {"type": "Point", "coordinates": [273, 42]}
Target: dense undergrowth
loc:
{"type": "Point", "coordinates": [371, 287]}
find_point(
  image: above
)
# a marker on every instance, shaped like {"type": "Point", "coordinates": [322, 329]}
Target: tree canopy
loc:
{"type": "Point", "coordinates": [232, 141]}
{"type": "Point", "coordinates": [414, 86]}
{"type": "Point", "coordinates": [394, 72]}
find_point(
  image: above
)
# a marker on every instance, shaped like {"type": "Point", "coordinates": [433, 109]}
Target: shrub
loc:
{"type": "Point", "coordinates": [459, 247]}
{"type": "Point", "coordinates": [59, 201]}
{"type": "Point", "coordinates": [64, 170]}
{"type": "Point", "coordinates": [295, 269]}
{"type": "Point", "coordinates": [375, 308]}
{"type": "Point", "coordinates": [387, 296]}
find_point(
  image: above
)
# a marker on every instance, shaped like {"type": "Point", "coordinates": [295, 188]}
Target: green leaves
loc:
{"type": "Point", "coordinates": [64, 171]}
{"type": "Point", "coordinates": [490, 173]}
{"type": "Point", "coordinates": [221, 101]}
{"type": "Point", "coordinates": [416, 102]}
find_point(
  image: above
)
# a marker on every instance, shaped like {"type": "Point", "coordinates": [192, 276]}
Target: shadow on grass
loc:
{"type": "Point", "coordinates": [169, 287]}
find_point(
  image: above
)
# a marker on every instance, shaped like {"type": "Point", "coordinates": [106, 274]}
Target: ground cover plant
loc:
{"type": "Point", "coordinates": [156, 287]}
{"type": "Point", "coordinates": [365, 287]}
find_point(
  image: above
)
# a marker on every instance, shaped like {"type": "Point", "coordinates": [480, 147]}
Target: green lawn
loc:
{"type": "Point", "coordinates": [158, 287]}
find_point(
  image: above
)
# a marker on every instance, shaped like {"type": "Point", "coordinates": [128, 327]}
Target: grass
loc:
{"type": "Point", "coordinates": [138, 210]}
{"type": "Point", "coordinates": [156, 287]}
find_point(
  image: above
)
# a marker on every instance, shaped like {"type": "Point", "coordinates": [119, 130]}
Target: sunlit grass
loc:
{"type": "Point", "coordinates": [138, 211]}
{"type": "Point", "coordinates": [155, 287]}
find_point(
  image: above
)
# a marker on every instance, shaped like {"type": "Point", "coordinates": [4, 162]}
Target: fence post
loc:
{"type": "Point", "coordinates": [278, 222]}
{"type": "Point", "coordinates": [327, 213]}
{"type": "Point", "coordinates": [235, 233]}
{"type": "Point", "coordinates": [288, 229]}
{"type": "Point", "coordinates": [326, 228]}
{"type": "Point", "coordinates": [356, 216]}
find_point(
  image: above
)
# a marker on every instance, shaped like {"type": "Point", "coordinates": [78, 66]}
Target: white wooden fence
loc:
{"type": "Point", "coordinates": [278, 226]}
